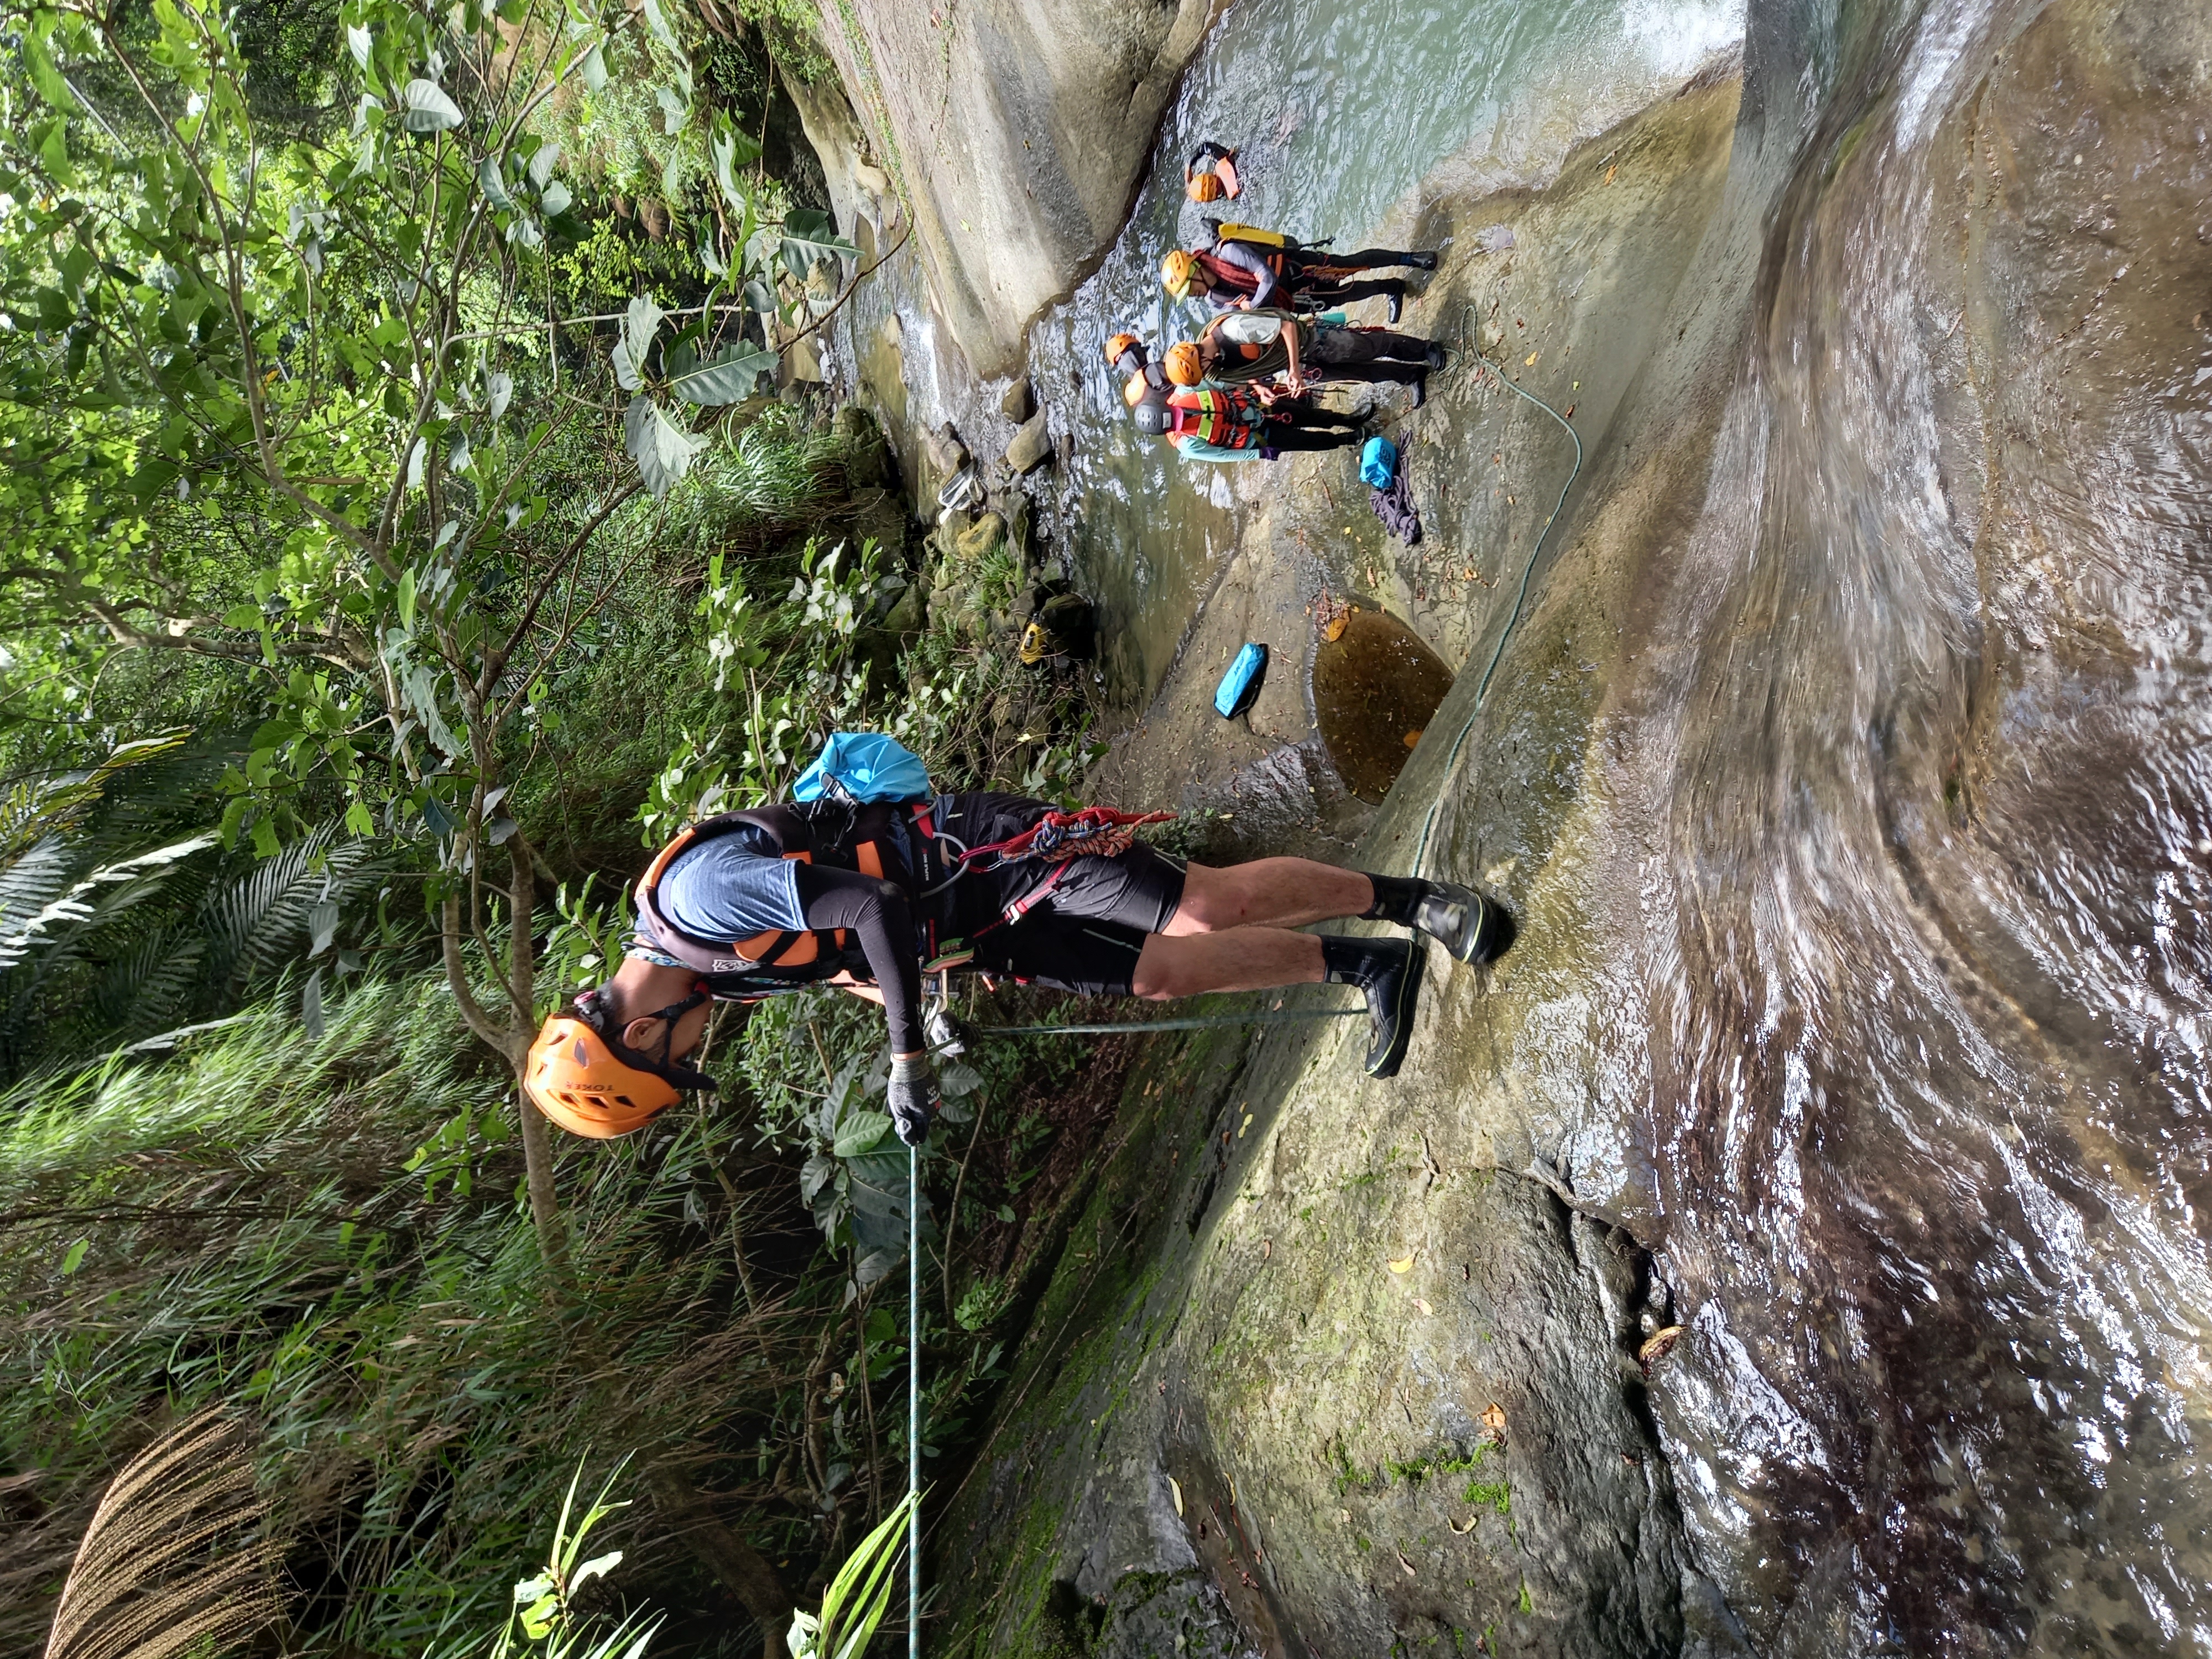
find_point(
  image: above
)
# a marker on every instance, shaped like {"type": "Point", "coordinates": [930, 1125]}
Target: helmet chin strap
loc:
{"type": "Point", "coordinates": [669, 1016]}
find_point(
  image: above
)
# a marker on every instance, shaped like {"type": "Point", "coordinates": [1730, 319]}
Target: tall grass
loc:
{"type": "Point", "coordinates": [236, 1225]}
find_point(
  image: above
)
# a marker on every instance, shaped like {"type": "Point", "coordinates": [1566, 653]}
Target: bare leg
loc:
{"type": "Point", "coordinates": [1237, 959]}
{"type": "Point", "coordinates": [1267, 893]}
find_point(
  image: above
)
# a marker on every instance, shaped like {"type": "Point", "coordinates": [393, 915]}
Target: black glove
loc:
{"type": "Point", "coordinates": [913, 1097]}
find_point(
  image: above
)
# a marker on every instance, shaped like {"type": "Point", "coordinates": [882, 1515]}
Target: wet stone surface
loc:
{"type": "Point", "coordinates": [1376, 686]}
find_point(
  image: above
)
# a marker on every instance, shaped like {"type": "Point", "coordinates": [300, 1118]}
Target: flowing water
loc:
{"type": "Point", "coordinates": [1337, 109]}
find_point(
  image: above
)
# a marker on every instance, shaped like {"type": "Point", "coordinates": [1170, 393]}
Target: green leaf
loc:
{"type": "Point", "coordinates": [494, 185]}
{"type": "Point", "coordinates": [407, 600]}
{"type": "Point", "coordinates": [594, 68]}
{"type": "Point", "coordinates": [311, 1006]}
{"type": "Point", "coordinates": [640, 324]}
{"type": "Point", "coordinates": [46, 75]}
{"type": "Point", "coordinates": [358, 821]}
{"type": "Point", "coordinates": [499, 393]}
{"type": "Point", "coordinates": [555, 199]}
{"type": "Point", "coordinates": [75, 1259]}
{"type": "Point", "coordinates": [731, 375]}
{"type": "Point", "coordinates": [809, 236]}
{"type": "Point", "coordinates": [424, 108]}
{"type": "Point", "coordinates": [860, 1132]}
{"type": "Point", "coordinates": [661, 446]}
{"type": "Point", "coordinates": [593, 1567]}
{"type": "Point", "coordinates": [673, 111]}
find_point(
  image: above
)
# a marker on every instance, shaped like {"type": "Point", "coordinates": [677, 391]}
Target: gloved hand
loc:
{"type": "Point", "coordinates": [913, 1099]}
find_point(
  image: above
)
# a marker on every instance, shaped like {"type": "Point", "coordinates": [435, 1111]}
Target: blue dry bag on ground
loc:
{"type": "Point", "coordinates": [1378, 462]}
{"type": "Point", "coordinates": [864, 766]}
{"type": "Point", "coordinates": [1242, 683]}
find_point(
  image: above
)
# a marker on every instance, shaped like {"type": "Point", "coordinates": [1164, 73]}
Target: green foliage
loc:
{"type": "Point", "coordinates": [854, 1605]}
{"type": "Point", "coordinates": [242, 1228]}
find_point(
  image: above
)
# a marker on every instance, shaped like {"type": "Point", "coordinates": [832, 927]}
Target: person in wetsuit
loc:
{"type": "Point", "coordinates": [1264, 347]}
{"type": "Point", "coordinates": [1243, 267]}
{"type": "Point", "coordinates": [753, 902]}
{"type": "Point", "coordinates": [1243, 423]}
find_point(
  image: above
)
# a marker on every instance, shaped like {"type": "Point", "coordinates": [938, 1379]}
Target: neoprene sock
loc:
{"type": "Point", "coordinates": [1396, 898]}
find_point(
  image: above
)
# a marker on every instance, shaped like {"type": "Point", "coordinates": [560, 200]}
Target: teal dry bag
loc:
{"type": "Point", "coordinates": [864, 766]}
{"type": "Point", "coordinates": [1241, 685]}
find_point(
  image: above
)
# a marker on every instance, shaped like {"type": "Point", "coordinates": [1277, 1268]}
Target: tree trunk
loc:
{"type": "Point", "coordinates": [741, 1568]}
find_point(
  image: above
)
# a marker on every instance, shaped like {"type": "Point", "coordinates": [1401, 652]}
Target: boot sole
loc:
{"type": "Point", "coordinates": [1408, 997]}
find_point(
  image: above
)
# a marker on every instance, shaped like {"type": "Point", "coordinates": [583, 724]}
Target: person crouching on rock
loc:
{"type": "Point", "coordinates": [1244, 266]}
{"type": "Point", "coordinates": [861, 897]}
{"type": "Point", "coordinates": [1259, 346]}
{"type": "Point", "coordinates": [1243, 423]}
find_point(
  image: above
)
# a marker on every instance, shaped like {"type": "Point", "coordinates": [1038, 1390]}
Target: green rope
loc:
{"type": "Point", "coordinates": [913, 1402]}
{"type": "Point", "coordinates": [1205, 1023]}
{"type": "Point", "coordinates": [1482, 688]}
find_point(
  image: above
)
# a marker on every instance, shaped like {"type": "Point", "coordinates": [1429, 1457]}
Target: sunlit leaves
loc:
{"type": "Point", "coordinates": [660, 445]}
{"type": "Point", "coordinates": [424, 108]}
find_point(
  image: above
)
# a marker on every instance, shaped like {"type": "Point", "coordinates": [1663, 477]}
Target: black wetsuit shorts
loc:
{"type": "Point", "coordinates": [1078, 924]}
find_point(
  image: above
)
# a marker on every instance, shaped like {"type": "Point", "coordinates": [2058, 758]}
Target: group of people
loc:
{"type": "Point", "coordinates": [1240, 391]}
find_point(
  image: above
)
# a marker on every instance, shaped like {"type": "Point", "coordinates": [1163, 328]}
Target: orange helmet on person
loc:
{"type": "Point", "coordinates": [1205, 186]}
{"type": "Point", "coordinates": [593, 1084]}
{"type": "Point", "coordinates": [1119, 346]}
{"type": "Point", "coordinates": [1176, 271]}
{"type": "Point", "coordinates": [1182, 365]}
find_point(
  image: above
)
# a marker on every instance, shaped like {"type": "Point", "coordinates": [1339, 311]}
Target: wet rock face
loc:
{"type": "Point", "coordinates": [1017, 132]}
{"type": "Point", "coordinates": [1847, 775]}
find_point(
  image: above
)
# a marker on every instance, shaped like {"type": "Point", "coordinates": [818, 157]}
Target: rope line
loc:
{"type": "Point", "coordinates": [1482, 688]}
{"type": "Point", "coordinates": [913, 1402]}
{"type": "Point", "coordinates": [1196, 1022]}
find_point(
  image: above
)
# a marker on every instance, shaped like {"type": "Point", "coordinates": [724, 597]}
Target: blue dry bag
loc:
{"type": "Point", "coordinates": [1378, 462]}
{"type": "Point", "coordinates": [1242, 683]}
{"type": "Point", "coordinates": [864, 766]}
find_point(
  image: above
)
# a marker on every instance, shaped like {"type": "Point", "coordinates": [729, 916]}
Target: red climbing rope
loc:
{"type": "Point", "coordinates": [1093, 832]}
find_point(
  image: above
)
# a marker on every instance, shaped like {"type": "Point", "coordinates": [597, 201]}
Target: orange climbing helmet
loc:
{"type": "Point", "coordinates": [1175, 271]}
{"type": "Point", "coordinates": [1119, 346]}
{"type": "Point", "coordinates": [596, 1086]}
{"type": "Point", "coordinates": [1182, 365]}
{"type": "Point", "coordinates": [1205, 186]}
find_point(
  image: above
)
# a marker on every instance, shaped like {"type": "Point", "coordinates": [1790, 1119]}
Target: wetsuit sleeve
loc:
{"type": "Point", "coordinates": [1236, 253]}
{"type": "Point", "coordinates": [1197, 449]}
{"type": "Point", "coordinates": [878, 913]}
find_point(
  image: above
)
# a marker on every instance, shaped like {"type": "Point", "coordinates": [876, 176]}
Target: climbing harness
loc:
{"type": "Point", "coordinates": [1482, 687]}
{"type": "Point", "coordinates": [1090, 832]}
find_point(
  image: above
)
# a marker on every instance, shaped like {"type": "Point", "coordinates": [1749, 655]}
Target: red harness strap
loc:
{"type": "Point", "coordinates": [1091, 832]}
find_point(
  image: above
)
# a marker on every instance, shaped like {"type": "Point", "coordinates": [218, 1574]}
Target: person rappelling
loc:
{"type": "Point", "coordinates": [1243, 266]}
{"type": "Point", "coordinates": [869, 895]}
{"type": "Point", "coordinates": [1265, 346]}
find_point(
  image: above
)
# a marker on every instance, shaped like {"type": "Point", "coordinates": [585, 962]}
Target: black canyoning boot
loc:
{"type": "Point", "coordinates": [1421, 261]}
{"type": "Point", "coordinates": [1474, 928]}
{"type": "Point", "coordinates": [1389, 971]}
